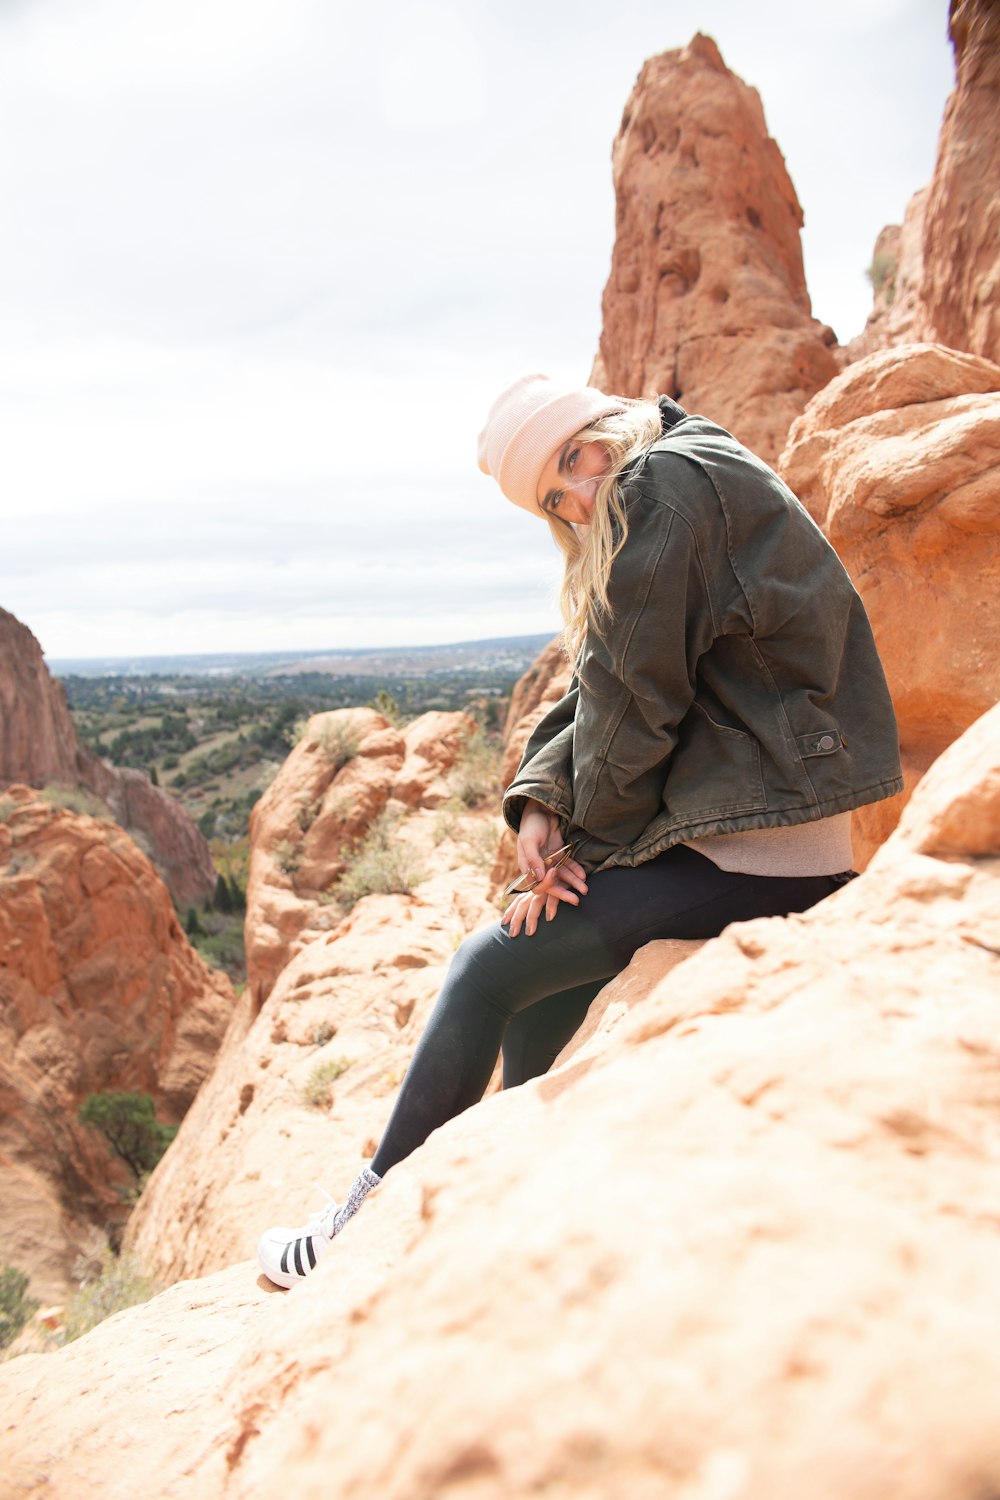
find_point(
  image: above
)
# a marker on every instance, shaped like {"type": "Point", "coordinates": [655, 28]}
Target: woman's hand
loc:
{"type": "Point", "coordinates": [539, 834]}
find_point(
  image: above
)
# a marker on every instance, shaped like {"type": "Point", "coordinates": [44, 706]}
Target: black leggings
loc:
{"type": "Point", "coordinates": [530, 994]}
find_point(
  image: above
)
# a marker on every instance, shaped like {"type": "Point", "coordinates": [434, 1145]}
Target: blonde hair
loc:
{"type": "Point", "coordinates": [583, 595]}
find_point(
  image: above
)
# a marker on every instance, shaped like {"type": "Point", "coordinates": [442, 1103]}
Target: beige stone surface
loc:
{"type": "Point", "coordinates": [354, 998]}
{"type": "Point", "coordinates": [433, 743]}
{"type": "Point", "coordinates": [746, 1252]}
{"type": "Point", "coordinates": [99, 990]}
{"type": "Point", "coordinates": [347, 768]}
{"type": "Point", "coordinates": [706, 300]}
{"type": "Point", "coordinates": [898, 460]}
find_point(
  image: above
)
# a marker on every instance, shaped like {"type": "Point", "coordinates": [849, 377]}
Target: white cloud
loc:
{"type": "Point", "coordinates": [266, 263]}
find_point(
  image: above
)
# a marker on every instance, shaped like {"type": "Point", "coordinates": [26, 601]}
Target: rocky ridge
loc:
{"type": "Point", "coordinates": [316, 1052]}
{"type": "Point", "coordinates": [39, 747]}
{"type": "Point", "coordinates": [898, 460]}
{"type": "Point", "coordinates": [99, 990]}
{"type": "Point", "coordinates": [799, 1121]}
{"type": "Point", "coordinates": [706, 300]}
{"type": "Point", "coordinates": [938, 277]}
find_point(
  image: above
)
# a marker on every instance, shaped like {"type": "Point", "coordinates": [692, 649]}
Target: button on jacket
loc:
{"type": "Point", "coordinates": [736, 683]}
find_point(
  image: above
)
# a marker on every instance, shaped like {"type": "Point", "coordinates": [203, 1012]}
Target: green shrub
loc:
{"type": "Point", "coordinates": [76, 799]}
{"type": "Point", "coordinates": [316, 1090]}
{"type": "Point", "coordinates": [380, 865]}
{"type": "Point", "coordinates": [475, 778]}
{"type": "Point", "coordinates": [129, 1125]}
{"type": "Point", "coordinates": [287, 856]}
{"type": "Point", "coordinates": [339, 741]}
{"type": "Point", "coordinates": [119, 1283]}
{"type": "Point", "coordinates": [15, 1307]}
{"type": "Point", "coordinates": [385, 704]}
{"type": "Point", "coordinates": [882, 275]}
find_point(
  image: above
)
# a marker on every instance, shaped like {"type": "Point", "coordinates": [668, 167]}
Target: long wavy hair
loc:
{"type": "Point", "coordinates": [590, 551]}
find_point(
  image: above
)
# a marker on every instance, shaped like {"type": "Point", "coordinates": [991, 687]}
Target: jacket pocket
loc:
{"type": "Point", "coordinates": [714, 771]}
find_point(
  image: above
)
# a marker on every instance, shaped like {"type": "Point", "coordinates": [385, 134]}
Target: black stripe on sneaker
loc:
{"type": "Point", "coordinates": [298, 1259]}
{"type": "Point", "coordinates": [284, 1257]}
{"type": "Point", "coordinates": [311, 1254]}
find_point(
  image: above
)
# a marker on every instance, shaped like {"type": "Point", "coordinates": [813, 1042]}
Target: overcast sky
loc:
{"type": "Point", "coordinates": [265, 263]}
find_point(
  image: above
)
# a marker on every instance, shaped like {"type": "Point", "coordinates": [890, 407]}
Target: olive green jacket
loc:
{"type": "Point", "coordinates": [736, 684]}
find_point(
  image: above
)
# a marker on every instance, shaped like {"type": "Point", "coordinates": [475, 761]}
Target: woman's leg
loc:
{"type": "Point", "coordinates": [494, 977]}
{"type": "Point", "coordinates": [536, 1036]}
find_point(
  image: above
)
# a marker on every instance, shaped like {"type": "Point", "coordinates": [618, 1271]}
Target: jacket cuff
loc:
{"type": "Point", "coordinates": [514, 800]}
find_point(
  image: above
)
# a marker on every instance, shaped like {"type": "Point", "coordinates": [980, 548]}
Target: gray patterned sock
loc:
{"type": "Point", "coordinates": [362, 1186]}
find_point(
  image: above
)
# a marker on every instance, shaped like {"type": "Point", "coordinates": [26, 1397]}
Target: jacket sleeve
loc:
{"type": "Point", "coordinates": [638, 676]}
{"type": "Point", "coordinates": [546, 769]}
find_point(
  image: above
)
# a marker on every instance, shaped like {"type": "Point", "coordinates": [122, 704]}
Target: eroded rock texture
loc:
{"type": "Point", "coordinates": [99, 990]}
{"type": "Point", "coordinates": [706, 300]}
{"type": "Point", "coordinates": [39, 747]}
{"type": "Point", "coordinates": [302, 1090]}
{"type": "Point", "coordinates": [961, 283]}
{"type": "Point", "coordinates": [898, 460]}
{"type": "Point", "coordinates": [938, 277]}
{"type": "Point", "coordinates": [348, 767]}
{"type": "Point", "coordinates": [748, 1250]}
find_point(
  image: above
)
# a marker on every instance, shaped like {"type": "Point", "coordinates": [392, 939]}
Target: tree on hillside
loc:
{"type": "Point", "coordinates": [129, 1125]}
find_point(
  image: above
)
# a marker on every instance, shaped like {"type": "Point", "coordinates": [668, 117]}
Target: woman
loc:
{"type": "Point", "coordinates": [727, 711]}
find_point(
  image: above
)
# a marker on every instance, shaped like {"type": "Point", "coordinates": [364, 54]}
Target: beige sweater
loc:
{"type": "Point", "coordinates": [822, 848]}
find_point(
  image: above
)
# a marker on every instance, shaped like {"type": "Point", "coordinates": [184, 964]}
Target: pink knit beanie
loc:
{"type": "Point", "coordinates": [526, 424]}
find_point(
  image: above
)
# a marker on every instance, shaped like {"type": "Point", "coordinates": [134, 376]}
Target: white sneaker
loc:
{"type": "Point", "coordinates": [288, 1255]}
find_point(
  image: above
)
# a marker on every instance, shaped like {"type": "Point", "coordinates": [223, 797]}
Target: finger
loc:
{"type": "Point", "coordinates": [535, 905]}
{"type": "Point", "coordinates": [551, 906]}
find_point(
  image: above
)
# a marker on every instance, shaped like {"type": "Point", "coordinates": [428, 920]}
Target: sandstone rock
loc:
{"type": "Point", "coordinates": [433, 745]}
{"type": "Point", "coordinates": [748, 1251]}
{"type": "Point", "coordinates": [354, 999]}
{"type": "Point", "coordinates": [899, 315]}
{"type": "Point", "coordinates": [336, 781]}
{"type": "Point", "coordinates": [897, 461]}
{"type": "Point", "coordinates": [961, 284]}
{"type": "Point", "coordinates": [945, 281]}
{"type": "Point", "coordinates": [158, 823]}
{"type": "Point", "coordinates": [37, 734]}
{"type": "Point", "coordinates": [99, 990]}
{"type": "Point", "coordinates": [541, 687]}
{"type": "Point", "coordinates": [706, 300]}
{"type": "Point", "coordinates": [39, 746]}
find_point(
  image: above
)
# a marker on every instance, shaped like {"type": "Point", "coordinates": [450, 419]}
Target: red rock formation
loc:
{"type": "Point", "coordinates": [38, 741]}
{"type": "Point", "coordinates": [99, 990]}
{"type": "Point", "coordinates": [344, 771]}
{"type": "Point", "coordinates": [897, 271]}
{"type": "Point", "coordinates": [961, 284]}
{"type": "Point", "coordinates": [433, 743]}
{"type": "Point", "coordinates": [942, 280]}
{"type": "Point", "coordinates": [39, 746]}
{"type": "Point", "coordinates": [540, 688]}
{"type": "Point", "coordinates": [706, 300]}
{"type": "Point", "coordinates": [354, 999]}
{"type": "Point", "coordinates": [758, 1231]}
{"type": "Point", "coordinates": [897, 460]}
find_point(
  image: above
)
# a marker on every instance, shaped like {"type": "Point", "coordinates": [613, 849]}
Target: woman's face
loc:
{"type": "Point", "coordinates": [568, 483]}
